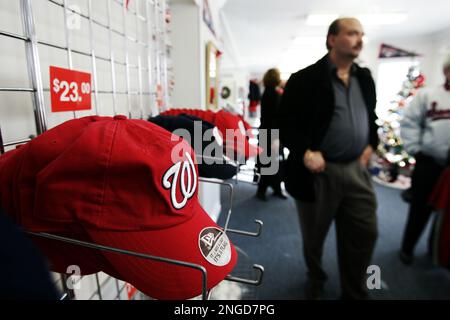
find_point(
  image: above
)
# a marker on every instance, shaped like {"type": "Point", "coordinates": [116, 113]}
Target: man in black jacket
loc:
{"type": "Point", "coordinates": [328, 124]}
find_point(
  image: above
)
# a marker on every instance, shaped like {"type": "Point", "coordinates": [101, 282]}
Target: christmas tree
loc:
{"type": "Point", "coordinates": [392, 157]}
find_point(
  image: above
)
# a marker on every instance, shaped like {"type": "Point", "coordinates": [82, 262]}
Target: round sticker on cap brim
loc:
{"type": "Point", "coordinates": [215, 246]}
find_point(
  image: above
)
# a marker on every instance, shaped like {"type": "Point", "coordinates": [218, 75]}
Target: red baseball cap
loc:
{"type": "Point", "coordinates": [120, 183]}
{"type": "Point", "coordinates": [224, 120]}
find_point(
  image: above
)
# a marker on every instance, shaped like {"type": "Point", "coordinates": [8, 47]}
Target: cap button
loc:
{"type": "Point", "coordinates": [120, 117]}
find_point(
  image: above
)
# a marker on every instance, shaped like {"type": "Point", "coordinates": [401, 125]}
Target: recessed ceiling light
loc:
{"type": "Point", "coordinates": [377, 19]}
{"type": "Point", "coordinates": [320, 19]}
{"type": "Point", "coordinates": [371, 19]}
{"type": "Point", "coordinates": [308, 41]}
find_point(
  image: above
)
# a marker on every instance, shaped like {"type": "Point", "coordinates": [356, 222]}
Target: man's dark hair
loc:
{"type": "Point", "coordinates": [333, 30]}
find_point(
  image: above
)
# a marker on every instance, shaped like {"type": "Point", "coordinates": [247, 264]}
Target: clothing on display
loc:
{"type": "Point", "coordinates": [220, 167]}
{"type": "Point", "coordinates": [117, 182]}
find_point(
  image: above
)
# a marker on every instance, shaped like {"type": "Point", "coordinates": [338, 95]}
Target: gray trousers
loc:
{"type": "Point", "coordinates": [344, 193]}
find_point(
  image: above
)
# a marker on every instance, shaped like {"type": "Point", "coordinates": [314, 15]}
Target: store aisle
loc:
{"type": "Point", "coordinates": [279, 250]}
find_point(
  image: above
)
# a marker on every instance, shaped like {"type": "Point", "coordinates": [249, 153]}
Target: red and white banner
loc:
{"type": "Point", "coordinates": [70, 90]}
{"type": "Point", "coordinates": [387, 51]}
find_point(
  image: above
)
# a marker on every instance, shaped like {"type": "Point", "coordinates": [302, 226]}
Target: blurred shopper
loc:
{"type": "Point", "coordinates": [328, 124]}
{"type": "Point", "coordinates": [425, 130]}
{"type": "Point", "coordinates": [270, 103]}
{"type": "Point", "coordinates": [25, 272]}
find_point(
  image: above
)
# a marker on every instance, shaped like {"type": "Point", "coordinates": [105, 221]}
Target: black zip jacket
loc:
{"type": "Point", "coordinates": [306, 110]}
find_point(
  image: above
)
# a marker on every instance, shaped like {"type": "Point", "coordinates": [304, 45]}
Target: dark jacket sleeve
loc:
{"type": "Point", "coordinates": [371, 101]}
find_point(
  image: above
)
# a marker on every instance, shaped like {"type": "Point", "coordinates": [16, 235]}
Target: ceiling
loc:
{"type": "Point", "coordinates": [263, 30]}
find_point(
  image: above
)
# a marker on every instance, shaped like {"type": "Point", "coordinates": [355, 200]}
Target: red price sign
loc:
{"type": "Point", "coordinates": [70, 90]}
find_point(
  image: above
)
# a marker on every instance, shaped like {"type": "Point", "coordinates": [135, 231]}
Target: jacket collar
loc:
{"type": "Point", "coordinates": [332, 69]}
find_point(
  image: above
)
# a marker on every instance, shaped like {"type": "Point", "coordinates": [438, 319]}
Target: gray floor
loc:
{"type": "Point", "coordinates": [278, 249]}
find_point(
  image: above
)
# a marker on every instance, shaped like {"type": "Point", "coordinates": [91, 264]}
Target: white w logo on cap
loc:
{"type": "Point", "coordinates": [187, 171]}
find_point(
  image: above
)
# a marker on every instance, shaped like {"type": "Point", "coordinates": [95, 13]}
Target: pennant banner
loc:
{"type": "Point", "coordinates": [387, 51]}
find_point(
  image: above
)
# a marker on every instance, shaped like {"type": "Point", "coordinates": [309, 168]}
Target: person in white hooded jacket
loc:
{"type": "Point", "coordinates": [425, 131]}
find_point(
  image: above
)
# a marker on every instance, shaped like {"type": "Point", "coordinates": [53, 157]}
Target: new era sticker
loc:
{"type": "Point", "coordinates": [215, 246]}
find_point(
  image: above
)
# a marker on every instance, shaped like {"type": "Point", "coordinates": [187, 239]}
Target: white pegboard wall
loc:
{"type": "Point", "coordinates": [125, 86]}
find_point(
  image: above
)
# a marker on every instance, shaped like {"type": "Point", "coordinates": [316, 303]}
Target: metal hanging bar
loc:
{"type": "Point", "coordinates": [256, 282]}
{"type": "Point", "coordinates": [13, 35]}
{"type": "Point", "coordinates": [127, 58]}
{"type": "Point", "coordinates": [250, 234]}
{"type": "Point", "coordinates": [118, 290]}
{"type": "Point", "coordinates": [111, 52]}
{"type": "Point", "coordinates": [130, 253]}
{"type": "Point", "coordinates": [157, 48]}
{"type": "Point", "coordinates": [69, 49]}
{"type": "Point", "coordinates": [230, 186]}
{"type": "Point", "coordinates": [99, 288]}
{"type": "Point", "coordinates": [67, 33]}
{"type": "Point", "coordinates": [69, 293]}
{"type": "Point", "coordinates": [16, 90]}
{"type": "Point", "coordinates": [141, 100]}
{"type": "Point", "coordinates": [141, 91]}
{"type": "Point", "coordinates": [13, 143]}
{"type": "Point", "coordinates": [64, 296]}
{"type": "Point", "coordinates": [165, 80]}
{"type": "Point", "coordinates": [149, 54]}
{"type": "Point", "coordinates": [34, 66]}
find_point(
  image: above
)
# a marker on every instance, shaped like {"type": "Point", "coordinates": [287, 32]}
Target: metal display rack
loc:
{"type": "Point", "coordinates": [69, 294]}
{"type": "Point", "coordinates": [152, 71]}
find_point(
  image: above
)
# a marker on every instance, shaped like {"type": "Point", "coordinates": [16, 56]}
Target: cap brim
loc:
{"type": "Point", "coordinates": [62, 256]}
{"type": "Point", "coordinates": [223, 170]}
{"type": "Point", "coordinates": [162, 280]}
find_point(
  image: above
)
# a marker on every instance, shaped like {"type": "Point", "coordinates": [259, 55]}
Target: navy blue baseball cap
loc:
{"type": "Point", "coordinates": [212, 163]}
